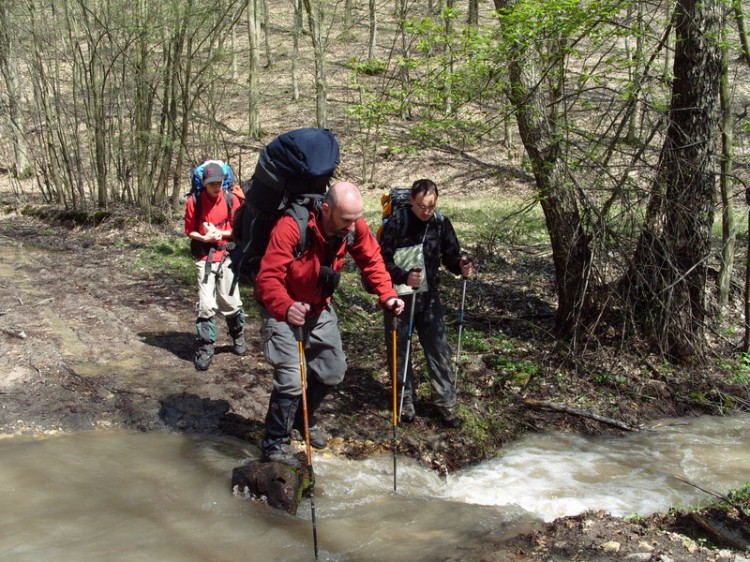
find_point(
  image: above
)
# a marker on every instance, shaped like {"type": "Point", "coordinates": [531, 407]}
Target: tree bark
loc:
{"type": "Point", "coordinates": [9, 72]}
{"type": "Point", "coordinates": [253, 78]}
{"type": "Point", "coordinates": [538, 123]}
{"type": "Point", "coordinates": [668, 274]}
{"type": "Point", "coordinates": [312, 7]}
{"type": "Point", "coordinates": [728, 226]}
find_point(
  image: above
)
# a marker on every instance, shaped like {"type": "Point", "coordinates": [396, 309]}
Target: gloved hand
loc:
{"type": "Point", "coordinates": [328, 281]}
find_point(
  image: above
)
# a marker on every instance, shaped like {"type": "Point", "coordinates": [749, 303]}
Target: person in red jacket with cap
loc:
{"type": "Point", "coordinates": [295, 297]}
{"type": "Point", "coordinates": [208, 224]}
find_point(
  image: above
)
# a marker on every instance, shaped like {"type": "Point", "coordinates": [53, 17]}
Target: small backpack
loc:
{"type": "Point", "coordinates": [291, 177]}
{"type": "Point", "coordinates": [230, 189]}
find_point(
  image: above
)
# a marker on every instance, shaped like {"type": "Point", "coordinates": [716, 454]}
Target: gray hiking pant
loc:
{"type": "Point", "coordinates": [325, 358]}
{"type": "Point", "coordinates": [429, 326]}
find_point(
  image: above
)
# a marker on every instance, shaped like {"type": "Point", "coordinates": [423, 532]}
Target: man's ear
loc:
{"type": "Point", "coordinates": [325, 209]}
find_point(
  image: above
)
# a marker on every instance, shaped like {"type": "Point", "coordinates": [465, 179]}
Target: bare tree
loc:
{"type": "Point", "coordinates": [313, 10]}
{"type": "Point", "coordinates": [728, 226]}
{"type": "Point", "coordinates": [253, 70]}
{"type": "Point", "coordinates": [373, 18]}
{"type": "Point", "coordinates": [12, 110]}
{"type": "Point", "coordinates": [739, 17]}
{"type": "Point", "coordinates": [296, 30]}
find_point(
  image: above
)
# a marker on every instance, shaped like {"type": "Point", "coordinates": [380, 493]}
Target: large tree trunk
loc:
{"type": "Point", "coordinates": [668, 274]}
{"type": "Point", "coordinates": [538, 125]}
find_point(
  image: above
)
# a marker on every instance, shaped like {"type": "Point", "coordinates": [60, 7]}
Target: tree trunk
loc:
{"type": "Point", "coordinates": [9, 72]}
{"type": "Point", "coordinates": [538, 127]}
{"type": "Point", "coordinates": [740, 19]}
{"type": "Point", "coordinates": [321, 86]}
{"type": "Point", "coordinates": [296, 30]}
{"type": "Point", "coordinates": [472, 17]}
{"type": "Point", "coordinates": [262, 9]}
{"type": "Point", "coordinates": [372, 11]}
{"type": "Point", "coordinates": [667, 277]}
{"type": "Point", "coordinates": [728, 227]}
{"type": "Point", "coordinates": [253, 78]}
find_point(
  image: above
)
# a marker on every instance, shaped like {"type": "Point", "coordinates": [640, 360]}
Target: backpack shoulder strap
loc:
{"type": "Point", "coordinates": [301, 215]}
{"type": "Point", "coordinates": [197, 208]}
{"type": "Point", "coordinates": [230, 210]}
{"type": "Point", "coordinates": [402, 216]}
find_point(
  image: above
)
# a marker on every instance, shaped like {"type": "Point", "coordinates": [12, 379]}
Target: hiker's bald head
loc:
{"type": "Point", "coordinates": [341, 208]}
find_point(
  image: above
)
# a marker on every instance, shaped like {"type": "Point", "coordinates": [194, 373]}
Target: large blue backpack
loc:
{"type": "Point", "coordinates": [291, 177]}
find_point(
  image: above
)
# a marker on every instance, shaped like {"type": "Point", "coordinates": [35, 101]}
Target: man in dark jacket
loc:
{"type": "Point", "coordinates": [414, 242]}
{"type": "Point", "coordinates": [295, 297]}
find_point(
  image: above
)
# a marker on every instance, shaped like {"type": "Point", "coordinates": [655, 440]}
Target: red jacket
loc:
{"type": "Point", "coordinates": [213, 211]}
{"type": "Point", "coordinates": [284, 280]}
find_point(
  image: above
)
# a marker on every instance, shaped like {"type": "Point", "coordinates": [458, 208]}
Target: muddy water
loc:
{"type": "Point", "coordinates": [112, 495]}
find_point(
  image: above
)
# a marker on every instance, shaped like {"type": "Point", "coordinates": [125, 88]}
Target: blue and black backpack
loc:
{"type": "Point", "coordinates": [229, 188]}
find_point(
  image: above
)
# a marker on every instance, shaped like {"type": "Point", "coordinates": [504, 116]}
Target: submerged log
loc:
{"type": "Point", "coordinates": [278, 484]}
{"type": "Point", "coordinates": [542, 405]}
{"type": "Point", "coordinates": [721, 533]}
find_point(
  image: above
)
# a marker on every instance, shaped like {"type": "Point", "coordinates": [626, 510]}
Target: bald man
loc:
{"type": "Point", "coordinates": [295, 293]}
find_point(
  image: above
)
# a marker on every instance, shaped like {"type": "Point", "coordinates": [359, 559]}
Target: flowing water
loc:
{"type": "Point", "coordinates": [122, 496]}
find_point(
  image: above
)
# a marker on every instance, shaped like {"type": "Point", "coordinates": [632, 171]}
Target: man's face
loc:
{"type": "Point", "coordinates": [213, 188]}
{"type": "Point", "coordinates": [339, 221]}
{"type": "Point", "coordinates": [423, 205]}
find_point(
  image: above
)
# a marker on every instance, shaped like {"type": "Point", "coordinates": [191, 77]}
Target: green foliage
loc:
{"type": "Point", "coordinates": [516, 371]}
{"type": "Point", "coordinates": [369, 67]}
{"type": "Point", "coordinates": [480, 427]}
{"type": "Point", "coordinates": [171, 256]}
{"type": "Point", "coordinates": [741, 494]}
{"type": "Point", "coordinates": [474, 340]}
{"type": "Point", "coordinates": [738, 368]}
{"type": "Point", "coordinates": [607, 378]}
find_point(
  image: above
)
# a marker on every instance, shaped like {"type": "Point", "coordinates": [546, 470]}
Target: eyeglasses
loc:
{"type": "Point", "coordinates": [429, 208]}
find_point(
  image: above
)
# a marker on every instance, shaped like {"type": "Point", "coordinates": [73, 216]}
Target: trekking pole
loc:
{"type": "Point", "coordinates": [409, 333]}
{"type": "Point", "coordinates": [460, 327]}
{"type": "Point", "coordinates": [308, 448]}
{"type": "Point", "coordinates": [394, 375]}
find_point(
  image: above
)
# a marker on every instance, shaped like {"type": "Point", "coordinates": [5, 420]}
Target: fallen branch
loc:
{"type": "Point", "coordinates": [720, 533]}
{"type": "Point", "coordinates": [542, 405]}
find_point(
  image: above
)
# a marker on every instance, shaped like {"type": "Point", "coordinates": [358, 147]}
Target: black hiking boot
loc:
{"type": "Point", "coordinates": [203, 356]}
{"type": "Point", "coordinates": [276, 447]}
{"type": "Point", "coordinates": [236, 325]}
{"type": "Point", "coordinates": [318, 436]}
{"type": "Point", "coordinates": [281, 452]}
{"type": "Point", "coordinates": [450, 417]}
{"type": "Point", "coordinates": [408, 413]}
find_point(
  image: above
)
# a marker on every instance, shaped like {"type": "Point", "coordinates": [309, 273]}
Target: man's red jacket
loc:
{"type": "Point", "coordinates": [284, 279]}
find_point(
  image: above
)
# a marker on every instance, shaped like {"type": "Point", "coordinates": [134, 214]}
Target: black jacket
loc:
{"type": "Point", "coordinates": [441, 244]}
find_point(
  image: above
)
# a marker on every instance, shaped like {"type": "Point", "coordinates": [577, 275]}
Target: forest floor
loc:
{"type": "Point", "coordinates": [94, 338]}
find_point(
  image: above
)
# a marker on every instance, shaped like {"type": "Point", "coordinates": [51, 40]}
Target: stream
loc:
{"type": "Point", "coordinates": [118, 495]}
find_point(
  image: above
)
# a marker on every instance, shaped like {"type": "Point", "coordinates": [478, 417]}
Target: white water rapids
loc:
{"type": "Point", "coordinates": [157, 497]}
